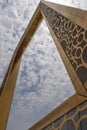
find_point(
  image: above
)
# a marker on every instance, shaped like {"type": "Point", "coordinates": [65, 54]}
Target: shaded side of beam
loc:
{"type": "Point", "coordinates": [8, 85]}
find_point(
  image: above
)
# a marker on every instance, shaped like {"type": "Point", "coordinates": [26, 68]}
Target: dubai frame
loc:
{"type": "Point", "coordinates": [68, 27]}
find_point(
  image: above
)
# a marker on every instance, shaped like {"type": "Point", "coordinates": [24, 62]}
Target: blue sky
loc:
{"type": "Point", "coordinates": [43, 82]}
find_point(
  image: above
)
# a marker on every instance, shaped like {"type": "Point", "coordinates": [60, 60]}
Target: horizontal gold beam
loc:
{"type": "Point", "coordinates": [74, 16]}
{"type": "Point", "coordinates": [52, 13]}
{"type": "Point", "coordinates": [67, 106]}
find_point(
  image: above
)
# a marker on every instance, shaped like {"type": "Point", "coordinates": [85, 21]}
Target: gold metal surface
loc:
{"type": "Point", "coordinates": [8, 85]}
{"type": "Point", "coordinates": [61, 110]}
{"type": "Point", "coordinates": [64, 28]}
{"type": "Point", "coordinates": [69, 32]}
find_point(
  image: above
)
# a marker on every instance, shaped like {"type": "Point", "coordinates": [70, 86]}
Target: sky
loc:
{"type": "Point", "coordinates": [43, 82]}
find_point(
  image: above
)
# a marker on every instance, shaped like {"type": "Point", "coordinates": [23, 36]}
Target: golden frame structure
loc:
{"type": "Point", "coordinates": [69, 32]}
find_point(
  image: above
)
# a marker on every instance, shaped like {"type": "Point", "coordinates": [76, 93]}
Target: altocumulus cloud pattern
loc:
{"type": "Point", "coordinates": [43, 82]}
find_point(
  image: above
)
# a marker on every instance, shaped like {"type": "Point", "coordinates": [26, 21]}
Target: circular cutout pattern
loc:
{"type": "Point", "coordinates": [84, 54]}
{"type": "Point", "coordinates": [83, 124]}
{"type": "Point", "coordinates": [86, 34]}
{"type": "Point", "coordinates": [68, 125]}
{"type": "Point", "coordinates": [80, 38]}
{"type": "Point", "coordinates": [75, 38]}
{"type": "Point", "coordinates": [78, 52]}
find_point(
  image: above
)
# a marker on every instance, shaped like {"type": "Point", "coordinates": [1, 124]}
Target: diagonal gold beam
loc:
{"type": "Point", "coordinates": [78, 16]}
{"type": "Point", "coordinates": [8, 85]}
{"type": "Point", "coordinates": [69, 31]}
{"type": "Point", "coordinates": [57, 17]}
{"type": "Point", "coordinates": [69, 18]}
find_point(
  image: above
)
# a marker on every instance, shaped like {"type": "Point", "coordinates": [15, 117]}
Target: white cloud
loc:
{"type": "Point", "coordinates": [43, 82]}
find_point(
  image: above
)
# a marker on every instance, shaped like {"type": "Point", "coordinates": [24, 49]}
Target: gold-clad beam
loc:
{"type": "Point", "coordinates": [69, 32]}
{"type": "Point", "coordinates": [61, 110]}
{"type": "Point", "coordinates": [8, 85]}
{"type": "Point", "coordinates": [61, 20]}
{"type": "Point", "coordinates": [78, 16]}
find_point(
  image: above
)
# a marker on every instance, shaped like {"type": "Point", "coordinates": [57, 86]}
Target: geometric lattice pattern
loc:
{"type": "Point", "coordinates": [71, 41]}
{"type": "Point", "coordinates": [68, 28]}
{"type": "Point", "coordinates": [72, 38]}
{"type": "Point", "coordinates": [75, 119]}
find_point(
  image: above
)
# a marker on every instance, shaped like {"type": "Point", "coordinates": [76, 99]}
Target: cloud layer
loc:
{"type": "Point", "coordinates": [43, 82]}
